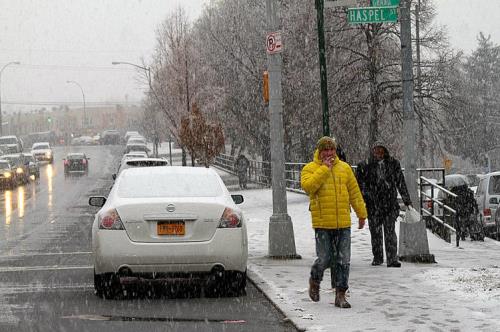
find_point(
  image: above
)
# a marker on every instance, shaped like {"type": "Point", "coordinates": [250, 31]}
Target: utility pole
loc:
{"type": "Point", "coordinates": [413, 243]}
{"type": "Point", "coordinates": [281, 236]}
{"type": "Point", "coordinates": [320, 4]}
{"type": "Point", "coordinates": [421, 147]}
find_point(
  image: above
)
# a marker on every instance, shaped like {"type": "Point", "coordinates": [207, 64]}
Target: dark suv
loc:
{"type": "Point", "coordinates": [110, 137]}
{"type": "Point", "coordinates": [76, 163]}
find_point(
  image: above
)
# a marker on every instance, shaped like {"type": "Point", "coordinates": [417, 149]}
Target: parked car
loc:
{"type": "Point", "coordinates": [20, 166]}
{"type": "Point", "coordinates": [43, 152]}
{"type": "Point", "coordinates": [110, 137]}
{"type": "Point", "coordinates": [140, 162]}
{"type": "Point", "coordinates": [136, 140]}
{"type": "Point", "coordinates": [84, 140]}
{"type": "Point", "coordinates": [161, 222]}
{"type": "Point", "coordinates": [33, 165]}
{"type": "Point", "coordinates": [128, 134]}
{"type": "Point", "coordinates": [488, 197]}
{"type": "Point", "coordinates": [76, 163]}
{"type": "Point", "coordinates": [7, 174]}
{"type": "Point", "coordinates": [136, 147]}
{"type": "Point", "coordinates": [11, 144]}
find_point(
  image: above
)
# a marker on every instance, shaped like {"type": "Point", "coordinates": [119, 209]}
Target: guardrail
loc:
{"type": "Point", "coordinates": [434, 223]}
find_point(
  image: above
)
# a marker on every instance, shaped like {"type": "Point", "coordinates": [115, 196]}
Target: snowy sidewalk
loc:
{"type": "Point", "coordinates": [459, 293]}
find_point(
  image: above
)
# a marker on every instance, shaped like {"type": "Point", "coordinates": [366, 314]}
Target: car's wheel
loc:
{"type": "Point", "coordinates": [107, 285]}
{"type": "Point", "coordinates": [236, 283]}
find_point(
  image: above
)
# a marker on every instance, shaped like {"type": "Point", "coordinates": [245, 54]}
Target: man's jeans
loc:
{"type": "Point", "coordinates": [333, 243]}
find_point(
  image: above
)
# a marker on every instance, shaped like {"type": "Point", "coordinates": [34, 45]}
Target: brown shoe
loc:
{"type": "Point", "coordinates": [313, 290]}
{"type": "Point", "coordinates": [340, 300]}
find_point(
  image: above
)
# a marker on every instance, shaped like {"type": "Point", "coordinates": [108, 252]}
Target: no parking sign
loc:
{"type": "Point", "coordinates": [273, 42]}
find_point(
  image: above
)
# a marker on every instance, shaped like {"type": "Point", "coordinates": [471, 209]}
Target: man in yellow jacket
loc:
{"type": "Point", "coordinates": [332, 189]}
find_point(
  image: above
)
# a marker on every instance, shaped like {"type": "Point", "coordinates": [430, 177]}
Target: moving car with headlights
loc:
{"type": "Point", "coordinates": [7, 175]}
{"type": "Point", "coordinates": [76, 163]}
{"type": "Point", "coordinates": [33, 165]}
{"type": "Point", "coordinates": [20, 167]}
{"type": "Point", "coordinates": [11, 144]}
{"type": "Point", "coordinates": [43, 152]}
{"type": "Point", "coordinates": [163, 222]}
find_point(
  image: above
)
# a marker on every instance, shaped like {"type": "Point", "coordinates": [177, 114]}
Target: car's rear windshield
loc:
{"type": "Point", "coordinates": [4, 164]}
{"type": "Point", "coordinates": [147, 163]}
{"type": "Point", "coordinates": [41, 147]}
{"type": "Point", "coordinates": [75, 156]}
{"type": "Point", "coordinates": [168, 185]}
{"type": "Point", "coordinates": [8, 140]}
{"type": "Point", "coordinates": [494, 187]}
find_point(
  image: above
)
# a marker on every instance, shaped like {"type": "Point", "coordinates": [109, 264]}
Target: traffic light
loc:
{"type": "Point", "coordinates": [265, 86]}
{"type": "Point", "coordinates": [49, 119]}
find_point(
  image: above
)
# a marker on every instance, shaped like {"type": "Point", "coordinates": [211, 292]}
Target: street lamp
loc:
{"type": "Point", "coordinates": [1, 70]}
{"type": "Point", "coordinates": [148, 73]}
{"type": "Point", "coordinates": [84, 110]}
{"type": "Point", "coordinates": [147, 69]}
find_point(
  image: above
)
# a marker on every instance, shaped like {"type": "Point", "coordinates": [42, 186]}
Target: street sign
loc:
{"type": "Point", "coordinates": [340, 3]}
{"type": "Point", "coordinates": [273, 42]}
{"type": "Point", "coordinates": [384, 3]}
{"type": "Point", "coordinates": [363, 15]}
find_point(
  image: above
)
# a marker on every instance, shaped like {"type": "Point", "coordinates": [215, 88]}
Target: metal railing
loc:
{"type": "Point", "coordinates": [428, 202]}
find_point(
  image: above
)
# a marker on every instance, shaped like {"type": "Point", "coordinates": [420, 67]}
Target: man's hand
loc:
{"type": "Point", "coordinates": [328, 162]}
{"type": "Point", "coordinates": [361, 223]}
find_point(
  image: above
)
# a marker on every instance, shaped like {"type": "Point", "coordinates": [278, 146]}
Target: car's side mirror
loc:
{"type": "Point", "coordinates": [494, 200]}
{"type": "Point", "coordinates": [237, 199]}
{"type": "Point", "coordinates": [113, 176]}
{"type": "Point", "coordinates": [97, 201]}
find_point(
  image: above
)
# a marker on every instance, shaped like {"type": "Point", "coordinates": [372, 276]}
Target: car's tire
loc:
{"type": "Point", "coordinates": [107, 285]}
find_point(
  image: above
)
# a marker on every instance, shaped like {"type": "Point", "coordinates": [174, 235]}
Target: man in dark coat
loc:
{"type": "Point", "coordinates": [241, 166]}
{"type": "Point", "coordinates": [380, 179]}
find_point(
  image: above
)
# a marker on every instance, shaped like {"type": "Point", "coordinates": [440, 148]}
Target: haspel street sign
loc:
{"type": "Point", "coordinates": [364, 15]}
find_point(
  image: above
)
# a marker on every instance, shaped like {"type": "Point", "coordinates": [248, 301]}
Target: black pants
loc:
{"type": "Point", "coordinates": [382, 229]}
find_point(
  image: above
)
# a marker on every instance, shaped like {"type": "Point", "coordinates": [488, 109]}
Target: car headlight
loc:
{"type": "Point", "coordinates": [48, 154]}
{"type": "Point", "coordinates": [7, 174]}
{"type": "Point", "coordinates": [19, 170]}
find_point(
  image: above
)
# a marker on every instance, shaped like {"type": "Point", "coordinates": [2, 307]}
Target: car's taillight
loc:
{"type": "Point", "coordinates": [84, 161]}
{"type": "Point", "coordinates": [487, 212]}
{"type": "Point", "coordinates": [230, 219]}
{"type": "Point", "coordinates": [110, 220]}
{"type": "Point", "coordinates": [66, 163]}
{"type": "Point", "coordinates": [428, 204]}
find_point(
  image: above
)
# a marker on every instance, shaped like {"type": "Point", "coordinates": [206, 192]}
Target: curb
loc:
{"type": "Point", "coordinates": [262, 286]}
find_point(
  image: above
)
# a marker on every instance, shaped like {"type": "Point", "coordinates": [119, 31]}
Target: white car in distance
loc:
{"type": "Point", "coordinates": [164, 222]}
{"type": "Point", "coordinates": [42, 152]}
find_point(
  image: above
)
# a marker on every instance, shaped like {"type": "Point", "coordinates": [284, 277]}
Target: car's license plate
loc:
{"type": "Point", "coordinates": [171, 228]}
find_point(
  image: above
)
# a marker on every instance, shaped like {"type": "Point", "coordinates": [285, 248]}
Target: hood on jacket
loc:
{"type": "Point", "coordinates": [382, 145]}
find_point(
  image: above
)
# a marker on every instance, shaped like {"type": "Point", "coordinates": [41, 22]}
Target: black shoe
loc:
{"type": "Point", "coordinates": [394, 264]}
{"type": "Point", "coordinates": [376, 262]}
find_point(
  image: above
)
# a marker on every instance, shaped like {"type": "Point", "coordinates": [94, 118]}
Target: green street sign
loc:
{"type": "Point", "coordinates": [363, 15]}
{"type": "Point", "coordinates": [384, 3]}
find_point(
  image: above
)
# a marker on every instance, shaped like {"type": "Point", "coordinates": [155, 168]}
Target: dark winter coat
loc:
{"type": "Point", "coordinates": [465, 204]}
{"type": "Point", "coordinates": [241, 164]}
{"type": "Point", "coordinates": [381, 192]}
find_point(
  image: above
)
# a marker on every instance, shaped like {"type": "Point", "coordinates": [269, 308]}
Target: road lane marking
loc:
{"type": "Point", "coordinates": [44, 268]}
{"type": "Point", "coordinates": [47, 254]}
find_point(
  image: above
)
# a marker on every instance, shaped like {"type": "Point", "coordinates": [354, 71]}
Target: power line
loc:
{"type": "Point", "coordinates": [49, 103]}
{"type": "Point", "coordinates": [86, 68]}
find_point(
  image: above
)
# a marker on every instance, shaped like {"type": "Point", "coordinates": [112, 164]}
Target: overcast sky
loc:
{"type": "Point", "coordinates": [76, 40]}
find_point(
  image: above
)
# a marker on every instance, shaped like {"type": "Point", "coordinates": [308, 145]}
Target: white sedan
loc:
{"type": "Point", "coordinates": [160, 222]}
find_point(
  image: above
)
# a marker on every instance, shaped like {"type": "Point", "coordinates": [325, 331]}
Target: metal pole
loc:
{"type": "Point", "coordinates": [408, 110]}
{"type": "Point", "coordinates": [281, 236]}
{"type": "Point", "coordinates": [421, 150]}
{"type": "Point", "coordinates": [84, 107]}
{"type": "Point", "coordinates": [413, 243]}
{"type": "Point", "coordinates": [10, 63]}
{"type": "Point", "coordinates": [322, 67]}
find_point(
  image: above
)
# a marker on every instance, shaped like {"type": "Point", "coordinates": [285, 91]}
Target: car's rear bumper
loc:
{"type": "Point", "coordinates": [113, 250]}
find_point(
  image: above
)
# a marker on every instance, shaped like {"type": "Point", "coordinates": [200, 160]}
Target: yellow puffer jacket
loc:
{"type": "Point", "coordinates": [332, 193]}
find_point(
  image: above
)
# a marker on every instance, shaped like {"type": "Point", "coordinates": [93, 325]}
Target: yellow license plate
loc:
{"type": "Point", "coordinates": [171, 228]}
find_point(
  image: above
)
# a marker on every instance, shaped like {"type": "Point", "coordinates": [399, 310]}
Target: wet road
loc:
{"type": "Point", "coordinates": [46, 274]}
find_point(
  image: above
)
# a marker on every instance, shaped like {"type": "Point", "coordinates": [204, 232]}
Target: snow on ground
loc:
{"type": "Point", "coordinates": [459, 293]}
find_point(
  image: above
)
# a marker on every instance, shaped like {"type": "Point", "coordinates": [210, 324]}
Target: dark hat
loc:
{"type": "Point", "coordinates": [325, 143]}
